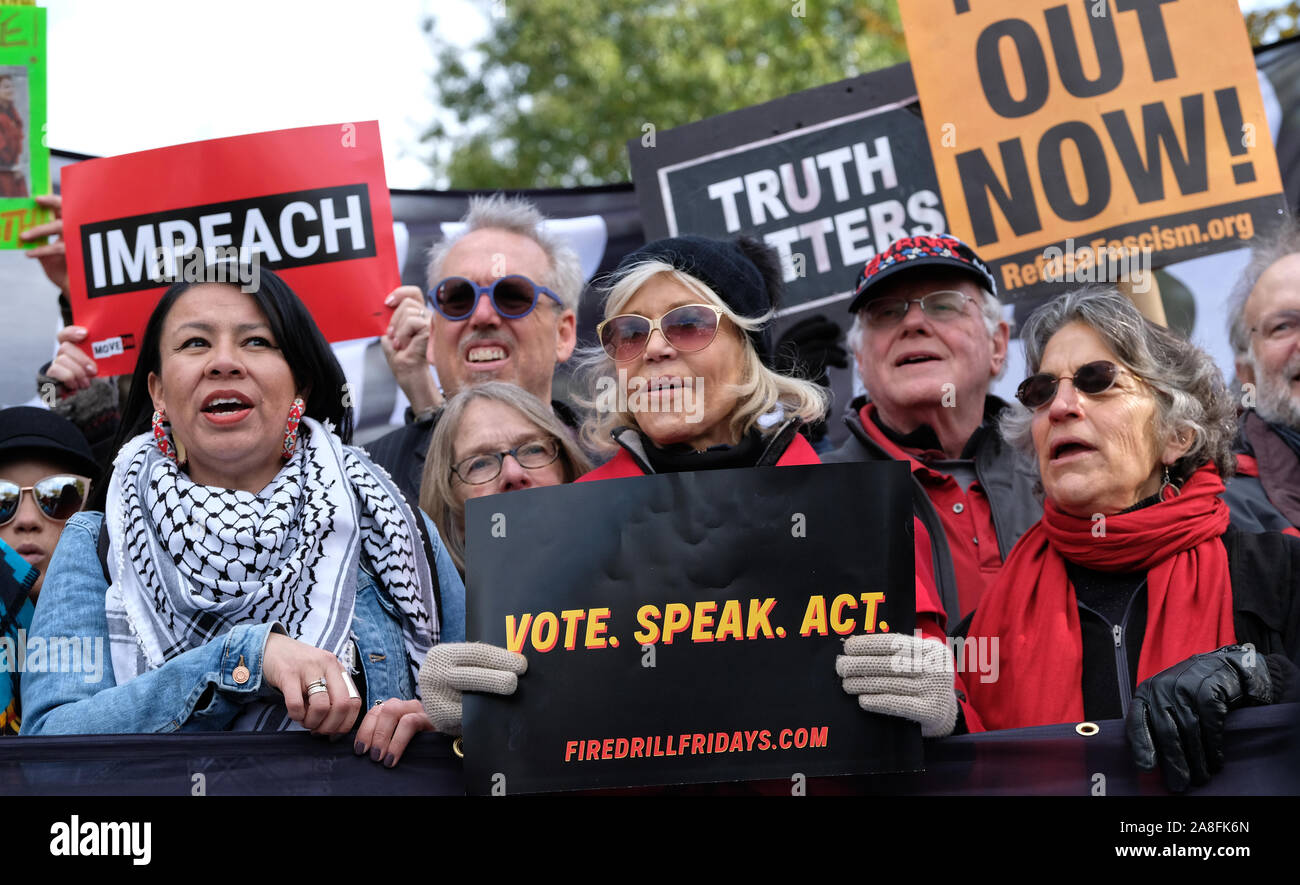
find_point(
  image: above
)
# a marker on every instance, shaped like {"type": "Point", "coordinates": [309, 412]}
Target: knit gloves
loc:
{"type": "Point", "coordinates": [455, 667]}
{"type": "Point", "coordinates": [904, 676]}
{"type": "Point", "coordinates": [1178, 715]}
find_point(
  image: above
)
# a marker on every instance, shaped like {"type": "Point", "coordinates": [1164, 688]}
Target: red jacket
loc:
{"type": "Point", "coordinates": [930, 616]}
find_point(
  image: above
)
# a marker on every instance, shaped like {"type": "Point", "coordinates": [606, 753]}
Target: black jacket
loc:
{"type": "Point", "coordinates": [1269, 501]}
{"type": "Point", "coordinates": [1007, 479]}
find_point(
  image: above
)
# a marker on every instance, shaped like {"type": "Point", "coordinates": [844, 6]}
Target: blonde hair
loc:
{"type": "Point", "coordinates": [759, 392]}
{"type": "Point", "coordinates": [437, 497]}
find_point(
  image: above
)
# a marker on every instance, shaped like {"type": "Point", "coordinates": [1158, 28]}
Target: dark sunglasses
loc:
{"type": "Point", "coordinates": [58, 497]}
{"type": "Point", "coordinates": [688, 328]}
{"type": "Point", "coordinates": [1038, 390]}
{"type": "Point", "coordinates": [512, 297]}
{"type": "Point", "coordinates": [478, 469]}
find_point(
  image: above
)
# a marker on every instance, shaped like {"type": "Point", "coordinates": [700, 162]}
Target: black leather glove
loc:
{"type": "Point", "coordinates": [1179, 714]}
{"type": "Point", "coordinates": [809, 346]}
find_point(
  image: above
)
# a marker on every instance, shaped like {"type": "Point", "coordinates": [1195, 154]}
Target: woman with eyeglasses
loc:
{"type": "Point", "coordinates": [250, 570]}
{"type": "Point", "coordinates": [493, 438]}
{"type": "Point", "coordinates": [683, 382]}
{"type": "Point", "coordinates": [45, 470]}
{"type": "Point", "coordinates": [1133, 597]}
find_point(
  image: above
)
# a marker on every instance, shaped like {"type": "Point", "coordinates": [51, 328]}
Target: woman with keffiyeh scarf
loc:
{"type": "Point", "coordinates": [261, 573]}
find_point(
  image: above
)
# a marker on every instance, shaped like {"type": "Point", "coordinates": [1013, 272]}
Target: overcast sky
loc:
{"type": "Point", "coordinates": [129, 75]}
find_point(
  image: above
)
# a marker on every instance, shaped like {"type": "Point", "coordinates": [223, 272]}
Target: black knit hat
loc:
{"type": "Point", "coordinates": [40, 433]}
{"type": "Point", "coordinates": [744, 272]}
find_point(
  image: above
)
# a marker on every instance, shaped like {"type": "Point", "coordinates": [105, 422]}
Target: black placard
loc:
{"type": "Point", "coordinates": [788, 534]}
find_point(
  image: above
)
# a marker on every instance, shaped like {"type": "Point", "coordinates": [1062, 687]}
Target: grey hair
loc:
{"type": "Point", "coordinates": [990, 312]}
{"type": "Point", "coordinates": [517, 216]}
{"type": "Point", "coordinates": [1189, 390]}
{"type": "Point", "coordinates": [1281, 241]}
{"type": "Point", "coordinates": [760, 390]}
{"type": "Point", "coordinates": [436, 495]}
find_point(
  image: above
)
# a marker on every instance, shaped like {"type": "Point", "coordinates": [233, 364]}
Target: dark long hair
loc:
{"type": "Point", "coordinates": [305, 349]}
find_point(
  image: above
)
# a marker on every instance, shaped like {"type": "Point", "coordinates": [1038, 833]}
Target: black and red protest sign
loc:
{"type": "Point", "coordinates": [683, 628]}
{"type": "Point", "coordinates": [310, 204]}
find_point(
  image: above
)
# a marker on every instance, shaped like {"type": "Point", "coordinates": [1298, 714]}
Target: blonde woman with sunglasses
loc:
{"type": "Point", "coordinates": [683, 381]}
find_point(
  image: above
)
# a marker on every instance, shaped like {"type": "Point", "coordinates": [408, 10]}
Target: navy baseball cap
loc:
{"type": "Point", "coordinates": [915, 253]}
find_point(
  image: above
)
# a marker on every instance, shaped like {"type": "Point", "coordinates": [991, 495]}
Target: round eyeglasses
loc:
{"type": "Point", "coordinates": [512, 296]}
{"type": "Point", "coordinates": [486, 466]}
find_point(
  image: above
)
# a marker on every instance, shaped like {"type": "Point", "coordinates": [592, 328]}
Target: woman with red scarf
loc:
{"type": "Point", "coordinates": [1132, 597]}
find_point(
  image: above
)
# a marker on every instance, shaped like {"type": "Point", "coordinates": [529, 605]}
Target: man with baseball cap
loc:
{"type": "Point", "coordinates": [46, 467]}
{"type": "Point", "coordinates": [929, 338]}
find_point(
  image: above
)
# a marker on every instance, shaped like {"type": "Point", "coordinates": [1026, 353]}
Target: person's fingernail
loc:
{"type": "Point", "coordinates": [77, 330]}
{"type": "Point", "coordinates": [390, 760]}
{"type": "Point", "coordinates": [359, 748]}
{"type": "Point", "coordinates": [374, 754]}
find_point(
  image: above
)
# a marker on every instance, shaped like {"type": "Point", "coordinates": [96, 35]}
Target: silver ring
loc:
{"type": "Point", "coordinates": [317, 687]}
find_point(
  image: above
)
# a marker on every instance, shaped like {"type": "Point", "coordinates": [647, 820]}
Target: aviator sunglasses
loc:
{"type": "Point", "coordinates": [1093, 378]}
{"type": "Point", "coordinates": [512, 297]}
{"type": "Point", "coordinates": [688, 328]}
{"type": "Point", "coordinates": [57, 497]}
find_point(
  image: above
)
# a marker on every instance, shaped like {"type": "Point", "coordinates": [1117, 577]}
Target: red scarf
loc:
{"type": "Point", "coordinates": [1033, 611]}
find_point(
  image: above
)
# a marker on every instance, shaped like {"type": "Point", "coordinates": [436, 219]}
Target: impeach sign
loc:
{"type": "Point", "coordinates": [683, 628]}
{"type": "Point", "coordinates": [310, 204]}
{"type": "Point", "coordinates": [1089, 128]}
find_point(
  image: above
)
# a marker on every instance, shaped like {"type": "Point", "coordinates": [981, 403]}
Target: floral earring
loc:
{"type": "Point", "coordinates": [291, 428]}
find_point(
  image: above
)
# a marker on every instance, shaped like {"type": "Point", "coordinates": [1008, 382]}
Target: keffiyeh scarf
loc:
{"type": "Point", "coordinates": [189, 562]}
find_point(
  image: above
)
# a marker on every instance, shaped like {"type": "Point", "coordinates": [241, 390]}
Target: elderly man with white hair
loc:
{"type": "Point", "coordinates": [927, 372]}
{"type": "Point", "coordinates": [1264, 327]}
{"type": "Point", "coordinates": [501, 306]}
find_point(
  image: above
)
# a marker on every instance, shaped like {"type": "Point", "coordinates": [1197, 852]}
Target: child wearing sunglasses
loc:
{"type": "Point", "coordinates": [45, 470]}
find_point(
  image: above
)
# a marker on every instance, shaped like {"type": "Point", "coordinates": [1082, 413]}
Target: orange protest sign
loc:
{"type": "Point", "coordinates": [1064, 132]}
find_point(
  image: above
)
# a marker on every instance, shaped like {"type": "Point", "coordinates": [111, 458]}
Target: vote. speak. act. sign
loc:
{"type": "Point", "coordinates": [1120, 125]}
{"type": "Point", "coordinates": [310, 204]}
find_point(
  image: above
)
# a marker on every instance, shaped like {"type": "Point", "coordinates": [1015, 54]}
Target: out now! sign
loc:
{"type": "Point", "coordinates": [310, 204]}
{"type": "Point", "coordinates": [1115, 124]}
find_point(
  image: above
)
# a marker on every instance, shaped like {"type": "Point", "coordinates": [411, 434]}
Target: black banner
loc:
{"type": "Point", "coordinates": [684, 628]}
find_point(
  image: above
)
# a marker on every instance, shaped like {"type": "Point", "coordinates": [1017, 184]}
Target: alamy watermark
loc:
{"type": "Point", "coordinates": [641, 395]}
{"type": "Point", "coordinates": [53, 654]}
{"type": "Point", "coordinates": [1098, 262]}
{"type": "Point", "coordinates": [216, 264]}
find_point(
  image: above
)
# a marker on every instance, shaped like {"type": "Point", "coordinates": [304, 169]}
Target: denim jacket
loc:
{"type": "Point", "coordinates": [195, 690]}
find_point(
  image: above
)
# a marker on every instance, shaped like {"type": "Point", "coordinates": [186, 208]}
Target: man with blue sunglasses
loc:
{"type": "Point", "coordinates": [501, 305]}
